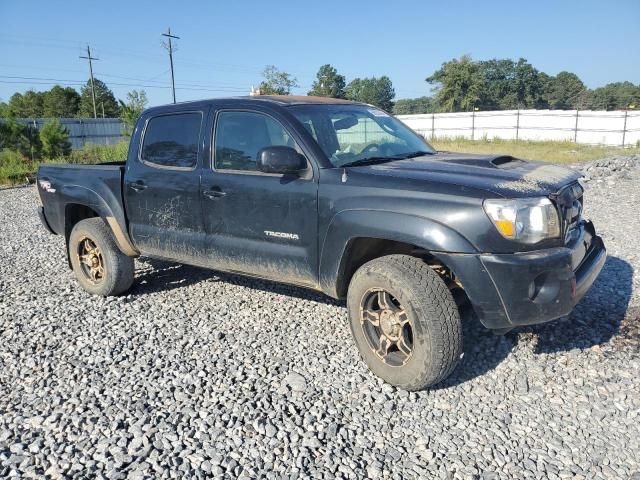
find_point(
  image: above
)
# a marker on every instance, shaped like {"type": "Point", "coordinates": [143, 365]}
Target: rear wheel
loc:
{"type": "Point", "coordinates": [405, 321]}
{"type": "Point", "coordinates": [99, 265]}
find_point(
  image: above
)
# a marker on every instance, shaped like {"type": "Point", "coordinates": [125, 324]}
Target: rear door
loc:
{"type": "Point", "coordinates": [256, 223]}
{"type": "Point", "coordinates": [162, 187]}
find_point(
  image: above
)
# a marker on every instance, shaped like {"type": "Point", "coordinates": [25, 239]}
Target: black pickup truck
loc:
{"type": "Point", "coordinates": [342, 198]}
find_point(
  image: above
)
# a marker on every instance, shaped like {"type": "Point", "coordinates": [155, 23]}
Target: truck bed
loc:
{"type": "Point", "coordinates": [97, 186]}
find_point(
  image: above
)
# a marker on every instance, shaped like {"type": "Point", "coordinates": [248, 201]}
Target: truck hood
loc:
{"type": "Point", "coordinates": [500, 174]}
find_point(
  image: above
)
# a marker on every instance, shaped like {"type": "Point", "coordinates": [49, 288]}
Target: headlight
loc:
{"type": "Point", "coordinates": [526, 220]}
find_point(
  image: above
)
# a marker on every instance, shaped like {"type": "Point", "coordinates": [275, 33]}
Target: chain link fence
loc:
{"type": "Point", "coordinates": [619, 128]}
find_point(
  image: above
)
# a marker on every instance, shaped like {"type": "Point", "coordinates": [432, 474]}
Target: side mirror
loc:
{"type": "Point", "coordinates": [280, 159]}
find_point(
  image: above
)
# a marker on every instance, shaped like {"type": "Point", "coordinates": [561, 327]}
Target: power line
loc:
{"type": "Point", "coordinates": [170, 48]}
{"type": "Point", "coordinates": [93, 88]}
{"type": "Point", "coordinates": [141, 56]}
{"type": "Point", "coordinates": [66, 44]}
{"type": "Point", "coordinates": [48, 81]}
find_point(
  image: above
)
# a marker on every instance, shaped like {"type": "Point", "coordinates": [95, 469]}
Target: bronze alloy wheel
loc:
{"type": "Point", "coordinates": [386, 327]}
{"type": "Point", "coordinates": [91, 260]}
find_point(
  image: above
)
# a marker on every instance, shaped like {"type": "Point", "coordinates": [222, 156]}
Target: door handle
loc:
{"type": "Point", "coordinates": [214, 193]}
{"type": "Point", "coordinates": [137, 186]}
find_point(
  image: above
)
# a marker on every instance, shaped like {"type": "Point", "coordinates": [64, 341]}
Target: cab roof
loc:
{"type": "Point", "coordinates": [280, 100]}
{"type": "Point", "coordinates": [296, 99]}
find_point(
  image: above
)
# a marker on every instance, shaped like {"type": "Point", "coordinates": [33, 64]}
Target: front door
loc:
{"type": "Point", "coordinates": [162, 188]}
{"type": "Point", "coordinates": [256, 223]}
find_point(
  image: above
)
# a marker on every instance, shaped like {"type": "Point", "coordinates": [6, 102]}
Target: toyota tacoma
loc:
{"type": "Point", "coordinates": [342, 198]}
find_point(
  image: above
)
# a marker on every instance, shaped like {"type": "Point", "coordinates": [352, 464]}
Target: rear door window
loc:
{"type": "Point", "coordinates": [172, 140]}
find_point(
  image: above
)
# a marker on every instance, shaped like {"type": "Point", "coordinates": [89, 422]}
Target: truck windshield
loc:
{"type": "Point", "coordinates": [359, 134]}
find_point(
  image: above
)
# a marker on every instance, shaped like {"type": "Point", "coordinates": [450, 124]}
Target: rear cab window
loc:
{"type": "Point", "coordinates": [171, 140]}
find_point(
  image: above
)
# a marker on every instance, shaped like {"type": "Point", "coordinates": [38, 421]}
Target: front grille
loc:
{"type": "Point", "coordinates": [574, 214]}
{"type": "Point", "coordinates": [570, 202]}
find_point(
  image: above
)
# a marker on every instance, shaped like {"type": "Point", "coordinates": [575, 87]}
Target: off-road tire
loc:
{"type": "Point", "coordinates": [118, 267]}
{"type": "Point", "coordinates": [429, 305]}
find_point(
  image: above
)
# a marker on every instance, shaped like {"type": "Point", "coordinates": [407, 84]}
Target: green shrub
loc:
{"type": "Point", "coordinates": [55, 139]}
{"type": "Point", "coordinates": [14, 167]}
{"type": "Point", "coordinates": [92, 153]}
{"type": "Point", "coordinates": [20, 138]}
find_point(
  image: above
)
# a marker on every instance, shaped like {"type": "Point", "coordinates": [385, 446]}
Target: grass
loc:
{"type": "Point", "coordinates": [547, 151]}
{"type": "Point", "coordinates": [15, 168]}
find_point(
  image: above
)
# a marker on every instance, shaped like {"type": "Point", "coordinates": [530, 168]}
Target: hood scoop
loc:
{"type": "Point", "coordinates": [503, 160]}
{"type": "Point", "coordinates": [499, 161]}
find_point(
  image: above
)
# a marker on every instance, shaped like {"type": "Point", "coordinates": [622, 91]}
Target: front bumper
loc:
{"type": "Point", "coordinates": [527, 288]}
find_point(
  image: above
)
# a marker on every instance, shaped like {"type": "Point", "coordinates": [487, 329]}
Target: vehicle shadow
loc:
{"type": "Point", "coordinates": [483, 351]}
{"type": "Point", "coordinates": [598, 317]}
{"type": "Point", "coordinates": [161, 276]}
{"type": "Point", "coordinates": [594, 321]}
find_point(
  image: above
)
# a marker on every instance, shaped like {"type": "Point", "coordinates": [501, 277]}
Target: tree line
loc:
{"type": "Point", "coordinates": [66, 102]}
{"type": "Point", "coordinates": [504, 84]}
{"type": "Point", "coordinates": [52, 140]}
{"type": "Point", "coordinates": [329, 83]}
{"type": "Point", "coordinates": [463, 84]}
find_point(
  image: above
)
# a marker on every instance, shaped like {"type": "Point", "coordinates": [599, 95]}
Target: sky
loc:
{"type": "Point", "coordinates": [224, 46]}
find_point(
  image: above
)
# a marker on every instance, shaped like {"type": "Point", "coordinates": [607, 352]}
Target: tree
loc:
{"type": "Point", "coordinates": [19, 138]}
{"type": "Point", "coordinates": [564, 91]}
{"type": "Point", "coordinates": [458, 84]}
{"type": "Point", "coordinates": [527, 88]}
{"type": "Point", "coordinates": [27, 105]}
{"type": "Point", "coordinates": [615, 96]}
{"type": "Point", "coordinates": [375, 91]}
{"type": "Point", "coordinates": [4, 110]}
{"type": "Point", "coordinates": [104, 100]}
{"type": "Point", "coordinates": [276, 82]}
{"type": "Point", "coordinates": [462, 85]}
{"type": "Point", "coordinates": [133, 108]}
{"type": "Point", "coordinates": [407, 106]}
{"type": "Point", "coordinates": [61, 102]}
{"type": "Point", "coordinates": [329, 83]}
{"type": "Point", "coordinates": [55, 139]}
{"type": "Point", "coordinates": [497, 84]}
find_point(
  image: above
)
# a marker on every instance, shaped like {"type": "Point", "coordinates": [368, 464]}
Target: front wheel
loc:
{"type": "Point", "coordinates": [99, 265]}
{"type": "Point", "coordinates": [405, 321]}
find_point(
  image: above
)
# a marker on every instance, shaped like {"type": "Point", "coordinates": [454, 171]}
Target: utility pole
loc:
{"type": "Point", "coordinates": [169, 47]}
{"type": "Point", "coordinates": [93, 89]}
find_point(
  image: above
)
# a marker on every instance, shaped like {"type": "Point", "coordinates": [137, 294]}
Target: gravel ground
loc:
{"type": "Point", "coordinates": [198, 374]}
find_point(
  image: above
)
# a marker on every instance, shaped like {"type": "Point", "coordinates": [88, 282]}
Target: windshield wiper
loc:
{"type": "Point", "coordinates": [367, 161]}
{"type": "Point", "coordinates": [418, 153]}
{"type": "Point", "coordinates": [380, 159]}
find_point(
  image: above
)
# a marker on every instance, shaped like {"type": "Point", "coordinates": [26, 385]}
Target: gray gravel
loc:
{"type": "Point", "coordinates": [199, 374]}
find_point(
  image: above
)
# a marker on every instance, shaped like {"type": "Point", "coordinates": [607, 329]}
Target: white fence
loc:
{"type": "Point", "coordinates": [621, 128]}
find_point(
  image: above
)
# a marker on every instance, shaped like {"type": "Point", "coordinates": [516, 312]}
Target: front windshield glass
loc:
{"type": "Point", "coordinates": [351, 134]}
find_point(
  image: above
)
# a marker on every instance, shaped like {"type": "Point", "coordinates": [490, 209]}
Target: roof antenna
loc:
{"type": "Point", "coordinates": [344, 175]}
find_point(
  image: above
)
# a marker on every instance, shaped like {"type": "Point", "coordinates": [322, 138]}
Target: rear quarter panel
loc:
{"type": "Point", "coordinates": [98, 187]}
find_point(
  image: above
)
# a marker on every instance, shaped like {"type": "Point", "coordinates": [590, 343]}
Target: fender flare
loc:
{"type": "Point", "coordinates": [102, 203]}
{"type": "Point", "coordinates": [349, 225]}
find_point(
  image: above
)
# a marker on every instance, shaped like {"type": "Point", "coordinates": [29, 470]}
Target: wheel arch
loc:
{"type": "Point", "coordinates": [356, 237]}
{"type": "Point", "coordinates": [75, 212]}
